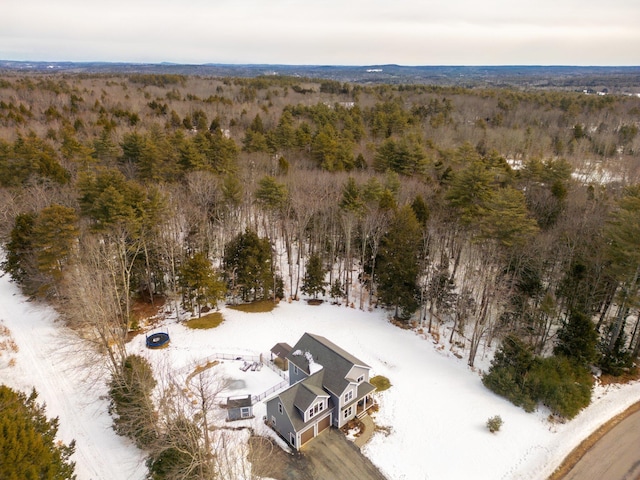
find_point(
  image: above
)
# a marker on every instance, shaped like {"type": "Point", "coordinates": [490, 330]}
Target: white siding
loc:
{"type": "Point", "coordinates": [357, 372]}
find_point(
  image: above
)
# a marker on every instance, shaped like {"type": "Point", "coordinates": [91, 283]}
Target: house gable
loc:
{"type": "Point", "coordinates": [358, 374]}
{"type": "Point", "coordinates": [307, 395]}
{"type": "Point", "coordinates": [278, 416]}
{"type": "Point", "coordinates": [299, 408]}
{"type": "Point", "coordinates": [310, 398]}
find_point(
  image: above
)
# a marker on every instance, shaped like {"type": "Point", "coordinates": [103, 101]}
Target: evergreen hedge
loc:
{"type": "Point", "coordinates": [131, 404]}
{"type": "Point", "coordinates": [558, 382]}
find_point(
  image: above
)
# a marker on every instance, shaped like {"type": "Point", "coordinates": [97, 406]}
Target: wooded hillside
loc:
{"type": "Point", "coordinates": [496, 213]}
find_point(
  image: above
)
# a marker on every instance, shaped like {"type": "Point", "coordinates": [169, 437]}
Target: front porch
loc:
{"type": "Point", "coordinates": [364, 406]}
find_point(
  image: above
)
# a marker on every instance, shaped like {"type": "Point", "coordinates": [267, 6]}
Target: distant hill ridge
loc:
{"type": "Point", "coordinates": [535, 76]}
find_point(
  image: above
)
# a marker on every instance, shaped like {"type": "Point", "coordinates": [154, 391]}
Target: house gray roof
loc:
{"type": "Point", "coordinates": [301, 396]}
{"type": "Point", "coordinates": [335, 361]}
{"type": "Point", "coordinates": [365, 388]}
{"type": "Point", "coordinates": [329, 369]}
{"type": "Point", "coordinates": [308, 391]}
{"type": "Point", "coordinates": [238, 402]}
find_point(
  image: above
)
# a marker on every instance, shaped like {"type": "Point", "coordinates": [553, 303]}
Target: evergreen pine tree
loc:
{"type": "Point", "coordinates": [20, 260]}
{"type": "Point", "coordinates": [578, 339]}
{"type": "Point", "coordinates": [471, 190]}
{"type": "Point", "coordinates": [247, 262]}
{"type": "Point", "coordinates": [55, 233]}
{"type": "Point", "coordinates": [131, 403]}
{"type": "Point", "coordinates": [506, 218]}
{"type": "Point", "coordinates": [336, 291]}
{"type": "Point", "coordinates": [397, 263]}
{"type": "Point", "coordinates": [200, 282]}
{"type": "Point", "coordinates": [28, 445]}
{"type": "Point", "coordinates": [508, 374]}
{"type": "Point", "coordinates": [616, 360]}
{"type": "Point", "coordinates": [313, 283]}
{"type": "Point", "coordinates": [421, 210]}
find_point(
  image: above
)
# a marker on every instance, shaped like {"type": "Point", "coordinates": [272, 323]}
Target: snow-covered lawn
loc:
{"type": "Point", "coordinates": [434, 414]}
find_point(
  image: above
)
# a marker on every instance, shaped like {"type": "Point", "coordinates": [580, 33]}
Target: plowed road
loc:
{"type": "Point", "coordinates": [616, 456]}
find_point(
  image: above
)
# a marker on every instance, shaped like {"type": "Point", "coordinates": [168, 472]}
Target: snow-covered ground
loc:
{"type": "Point", "coordinates": [46, 360]}
{"type": "Point", "coordinates": [434, 413]}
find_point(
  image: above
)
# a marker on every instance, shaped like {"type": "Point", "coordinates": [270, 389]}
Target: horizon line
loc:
{"type": "Point", "coordinates": [249, 64]}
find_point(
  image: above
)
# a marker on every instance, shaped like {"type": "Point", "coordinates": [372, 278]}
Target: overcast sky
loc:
{"type": "Point", "coordinates": [335, 32]}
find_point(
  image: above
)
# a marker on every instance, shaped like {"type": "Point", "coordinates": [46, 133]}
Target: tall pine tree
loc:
{"type": "Point", "coordinates": [397, 263]}
{"type": "Point", "coordinates": [314, 283]}
{"type": "Point", "coordinates": [200, 282]}
{"type": "Point", "coordinates": [247, 261]}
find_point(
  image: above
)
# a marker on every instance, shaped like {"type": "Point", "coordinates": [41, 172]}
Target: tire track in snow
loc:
{"type": "Point", "coordinates": [45, 362]}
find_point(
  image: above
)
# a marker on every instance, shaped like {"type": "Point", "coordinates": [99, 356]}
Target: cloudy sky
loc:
{"type": "Point", "coordinates": [336, 32]}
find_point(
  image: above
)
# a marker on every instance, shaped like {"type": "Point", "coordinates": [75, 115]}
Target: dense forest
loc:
{"type": "Point", "coordinates": [489, 216]}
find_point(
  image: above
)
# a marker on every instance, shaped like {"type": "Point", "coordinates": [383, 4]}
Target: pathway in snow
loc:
{"type": "Point", "coordinates": [44, 363]}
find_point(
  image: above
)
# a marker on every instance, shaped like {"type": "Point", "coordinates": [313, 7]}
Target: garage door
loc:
{"type": "Point", "coordinates": [324, 423]}
{"type": "Point", "coordinates": [306, 436]}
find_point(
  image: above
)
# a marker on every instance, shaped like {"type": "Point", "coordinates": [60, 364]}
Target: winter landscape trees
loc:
{"type": "Point", "coordinates": [484, 216]}
{"type": "Point", "coordinates": [28, 445]}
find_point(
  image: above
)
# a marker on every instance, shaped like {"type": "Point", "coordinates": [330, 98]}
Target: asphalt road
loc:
{"type": "Point", "coordinates": [616, 456]}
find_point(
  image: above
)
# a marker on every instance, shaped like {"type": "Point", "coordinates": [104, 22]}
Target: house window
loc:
{"type": "Point", "coordinates": [245, 412]}
{"type": "Point", "coordinates": [360, 379]}
{"type": "Point", "coordinates": [292, 439]}
{"type": "Point", "coordinates": [273, 420]}
{"type": "Point", "coordinates": [348, 396]}
{"type": "Point", "coordinates": [295, 370]}
{"type": "Point", "coordinates": [280, 408]}
{"type": "Point", "coordinates": [347, 412]}
{"type": "Point", "coordinates": [318, 407]}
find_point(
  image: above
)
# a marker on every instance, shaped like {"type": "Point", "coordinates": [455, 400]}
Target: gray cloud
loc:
{"type": "Point", "coordinates": [329, 32]}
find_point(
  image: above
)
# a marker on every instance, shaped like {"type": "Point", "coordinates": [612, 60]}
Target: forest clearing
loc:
{"type": "Point", "coordinates": [435, 400]}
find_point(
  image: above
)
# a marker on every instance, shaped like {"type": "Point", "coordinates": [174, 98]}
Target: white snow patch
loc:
{"type": "Point", "coordinates": [313, 366]}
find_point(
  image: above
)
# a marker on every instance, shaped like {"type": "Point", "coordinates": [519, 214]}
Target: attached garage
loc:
{"type": "Point", "coordinates": [315, 430]}
{"type": "Point", "coordinates": [307, 435]}
{"type": "Point", "coordinates": [324, 423]}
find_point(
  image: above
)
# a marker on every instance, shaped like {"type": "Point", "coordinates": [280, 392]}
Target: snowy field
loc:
{"type": "Point", "coordinates": [434, 413]}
